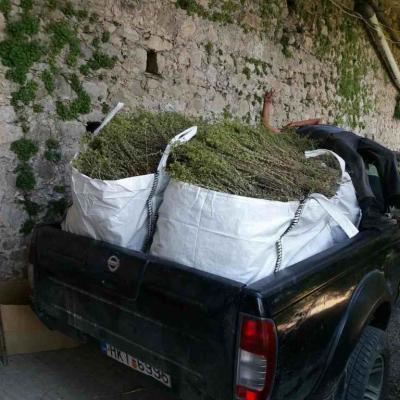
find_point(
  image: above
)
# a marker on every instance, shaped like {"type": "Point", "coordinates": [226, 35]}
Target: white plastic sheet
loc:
{"type": "Point", "coordinates": [246, 239]}
{"type": "Point", "coordinates": [121, 211]}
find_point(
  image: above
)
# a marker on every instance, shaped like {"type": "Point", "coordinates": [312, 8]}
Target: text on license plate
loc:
{"type": "Point", "coordinates": [136, 364]}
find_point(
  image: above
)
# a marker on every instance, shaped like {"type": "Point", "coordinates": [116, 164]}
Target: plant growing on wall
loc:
{"type": "Point", "coordinates": [325, 20]}
{"type": "Point", "coordinates": [349, 51]}
{"type": "Point", "coordinates": [60, 49]}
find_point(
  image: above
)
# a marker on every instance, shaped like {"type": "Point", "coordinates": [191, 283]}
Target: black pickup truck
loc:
{"type": "Point", "coordinates": [315, 330]}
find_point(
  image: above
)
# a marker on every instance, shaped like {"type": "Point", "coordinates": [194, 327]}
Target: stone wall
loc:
{"type": "Point", "coordinates": [214, 62]}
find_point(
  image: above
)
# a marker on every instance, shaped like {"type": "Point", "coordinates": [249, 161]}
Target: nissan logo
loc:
{"type": "Point", "coordinates": [113, 263]}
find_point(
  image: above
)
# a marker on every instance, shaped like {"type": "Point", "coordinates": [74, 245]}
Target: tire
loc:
{"type": "Point", "coordinates": [368, 367]}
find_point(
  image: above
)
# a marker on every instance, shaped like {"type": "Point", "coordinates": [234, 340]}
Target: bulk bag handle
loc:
{"type": "Point", "coordinates": [182, 137]}
{"type": "Point", "coordinates": [341, 219]}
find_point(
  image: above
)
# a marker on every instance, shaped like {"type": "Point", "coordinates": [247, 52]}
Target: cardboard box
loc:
{"type": "Point", "coordinates": [21, 331]}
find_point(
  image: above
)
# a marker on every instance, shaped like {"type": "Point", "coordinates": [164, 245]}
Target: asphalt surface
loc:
{"type": "Point", "coordinates": [394, 345]}
{"type": "Point", "coordinates": [84, 373]}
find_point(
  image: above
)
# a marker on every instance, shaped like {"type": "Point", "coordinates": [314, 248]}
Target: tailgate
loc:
{"type": "Point", "coordinates": [178, 319]}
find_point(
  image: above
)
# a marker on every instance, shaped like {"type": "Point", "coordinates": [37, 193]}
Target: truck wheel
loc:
{"type": "Point", "coordinates": [368, 367]}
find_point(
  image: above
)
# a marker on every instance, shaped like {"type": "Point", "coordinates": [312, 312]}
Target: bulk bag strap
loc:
{"type": "Point", "coordinates": [182, 137]}
{"type": "Point", "coordinates": [278, 244]}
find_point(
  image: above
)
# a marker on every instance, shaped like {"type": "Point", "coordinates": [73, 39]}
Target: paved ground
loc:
{"type": "Point", "coordinates": [394, 343]}
{"type": "Point", "coordinates": [78, 374]}
{"type": "Point", "coordinates": [85, 374]}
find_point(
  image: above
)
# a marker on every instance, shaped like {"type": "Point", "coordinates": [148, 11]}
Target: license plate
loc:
{"type": "Point", "coordinates": [136, 364]}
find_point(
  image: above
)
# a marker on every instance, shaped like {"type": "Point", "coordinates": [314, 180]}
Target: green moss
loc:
{"type": "Point", "coordinates": [227, 113]}
{"type": "Point", "coordinates": [68, 112]}
{"type": "Point", "coordinates": [19, 55]}
{"type": "Point", "coordinates": [349, 51]}
{"type": "Point", "coordinates": [27, 25]}
{"type": "Point", "coordinates": [32, 208]}
{"type": "Point", "coordinates": [28, 226]}
{"type": "Point", "coordinates": [105, 108]}
{"type": "Point", "coordinates": [270, 9]}
{"type": "Point", "coordinates": [5, 7]}
{"type": "Point", "coordinates": [246, 71]}
{"type": "Point", "coordinates": [52, 144]}
{"type": "Point", "coordinates": [52, 152]}
{"type": "Point", "coordinates": [48, 80]}
{"type": "Point", "coordinates": [258, 99]}
{"type": "Point", "coordinates": [59, 188]}
{"type": "Point", "coordinates": [222, 11]}
{"type": "Point", "coordinates": [68, 9]}
{"type": "Point", "coordinates": [25, 127]}
{"type": "Point", "coordinates": [75, 83]}
{"type": "Point", "coordinates": [101, 60]}
{"type": "Point", "coordinates": [96, 42]}
{"type": "Point", "coordinates": [26, 5]}
{"type": "Point", "coordinates": [73, 54]}
{"type": "Point", "coordinates": [352, 70]}
{"type": "Point", "coordinates": [84, 69]}
{"type": "Point", "coordinates": [24, 148]}
{"type": "Point", "coordinates": [229, 12]}
{"type": "Point", "coordinates": [52, 156]}
{"type": "Point", "coordinates": [224, 14]}
{"type": "Point", "coordinates": [192, 7]}
{"type": "Point", "coordinates": [80, 105]}
{"type": "Point", "coordinates": [105, 37]}
{"type": "Point", "coordinates": [56, 209]}
{"type": "Point", "coordinates": [209, 48]}
{"type": "Point", "coordinates": [82, 15]}
{"type": "Point", "coordinates": [286, 47]}
{"type": "Point", "coordinates": [62, 35]}
{"type": "Point", "coordinates": [25, 94]}
{"type": "Point", "coordinates": [323, 46]}
{"type": "Point", "coordinates": [260, 67]}
{"type": "Point", "coordinates": [93, 18]}
{"type": "Point", "coordinates": [52, 4]}
{"type": "Point", "coordinates": [26, 180]}
{"type": "Point", "coordinates": [37, 108]}
{"type": "Point", "coordinates": [247, 118]}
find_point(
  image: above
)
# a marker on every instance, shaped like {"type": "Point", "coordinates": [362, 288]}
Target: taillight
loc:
{"type": "Point", "coordinates": [256, 365]}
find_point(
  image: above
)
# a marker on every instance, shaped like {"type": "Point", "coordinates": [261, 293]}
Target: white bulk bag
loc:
{"type": "Point", "coordinates": [246, 239]}
{"type": "Point", "coordinates": [120, 211]}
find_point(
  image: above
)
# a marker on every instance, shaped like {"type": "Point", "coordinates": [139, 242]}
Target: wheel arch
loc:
{"type": "Point", "coordinates": [381, 316]}
{"type": "Point", "coordinates": [370, 304]}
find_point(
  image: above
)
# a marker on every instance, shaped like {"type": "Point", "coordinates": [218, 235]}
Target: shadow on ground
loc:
{"type": "Point", "coordinates": [83, 373]}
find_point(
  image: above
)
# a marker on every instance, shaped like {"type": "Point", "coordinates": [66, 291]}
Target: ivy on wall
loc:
{"type": "Point", "coordinates": [35, 32]}
{"type": "Point", "coordinates": [338, 37]}
{"type": "Point", "coordinates": [327, 21]}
